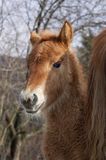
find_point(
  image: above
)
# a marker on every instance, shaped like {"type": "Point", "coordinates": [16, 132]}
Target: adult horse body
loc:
{"type": "Point", "coordinates": [56, 85]}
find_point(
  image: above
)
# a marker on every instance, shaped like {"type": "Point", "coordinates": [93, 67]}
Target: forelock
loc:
{"type": "Point", "coordinates": [47, 36]}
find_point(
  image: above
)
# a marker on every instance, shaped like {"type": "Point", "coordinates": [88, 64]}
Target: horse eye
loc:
{"type": "Point", "coordinates": [57, 64]}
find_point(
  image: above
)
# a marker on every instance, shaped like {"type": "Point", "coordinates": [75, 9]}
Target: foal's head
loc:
{"type": "Point", "coordinates": [44, 63]}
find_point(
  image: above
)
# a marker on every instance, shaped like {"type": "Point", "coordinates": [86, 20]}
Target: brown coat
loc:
{"type": "Point", "coordinates": [74, 116]}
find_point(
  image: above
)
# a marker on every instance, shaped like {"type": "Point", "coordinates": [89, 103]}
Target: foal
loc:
{"type": "Point", "coordinates": [56, 85]}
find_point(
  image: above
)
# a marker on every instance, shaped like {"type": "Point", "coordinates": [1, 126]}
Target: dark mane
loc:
{"type": "Point", "coordinates": [96, 111]}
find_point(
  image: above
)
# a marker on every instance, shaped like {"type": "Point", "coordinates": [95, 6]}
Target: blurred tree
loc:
{"type": "Point", "coordinates": [17, 19]}
{"type": "Point", "coordinates": [84, 52]}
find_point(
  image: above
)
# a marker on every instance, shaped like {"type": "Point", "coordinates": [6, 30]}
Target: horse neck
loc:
{"type": "Point", "coordinates": [76, 83]}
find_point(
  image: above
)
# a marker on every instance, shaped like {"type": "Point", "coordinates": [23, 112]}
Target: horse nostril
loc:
{"type": "Point", "coordinates": [29, 102]}
{"type": "Point", "coordinates": [35, 98]}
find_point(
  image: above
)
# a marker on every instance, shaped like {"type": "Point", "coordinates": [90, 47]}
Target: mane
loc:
{"type": "Point", "coordinates": [96, 110]}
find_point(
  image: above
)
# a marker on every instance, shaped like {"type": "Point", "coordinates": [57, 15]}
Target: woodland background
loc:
{"type": "Point", "coordinates": [20, 136]}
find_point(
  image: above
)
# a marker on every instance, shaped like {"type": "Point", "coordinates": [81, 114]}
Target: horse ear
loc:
{"type": "Point", "coordinates": [34, 37]}
{"type": "Point", "coordinates": [66, 33]}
